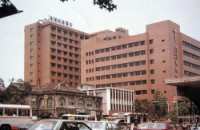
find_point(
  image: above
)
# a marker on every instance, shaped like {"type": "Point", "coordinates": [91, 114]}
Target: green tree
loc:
{"type": "Point", "coordinates": [2, 85]}
{"type": "Point", "coordinates": [159, 111]}
{"type": "Point", "coordinates": [15, 93]}
{"type": "Point", "coordinates": [187, 107]}
{"type": "Point", "coordinates": [103, 4]}
{"type": "Point", "coordinates": [142, 106]}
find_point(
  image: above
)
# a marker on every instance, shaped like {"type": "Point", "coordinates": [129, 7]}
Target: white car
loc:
{"type": "Point", "coordinates": [102, 125]}
{"type": "Point", "coordinates": [57, 124]}
{"type": "Point", "coordinates": [195, 126]}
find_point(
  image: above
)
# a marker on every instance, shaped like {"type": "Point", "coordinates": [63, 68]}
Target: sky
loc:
{"type": "Point", "coordinates": [133, 15]}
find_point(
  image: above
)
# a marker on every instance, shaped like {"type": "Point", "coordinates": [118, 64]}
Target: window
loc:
{"type": "Point", "coordinates": [81, 103]}
{"type": "Point", "coordinates": [151, 51]}
{"type": "Point", "coordinates": [153, 91]}
{"type": "Point", "coordinates": [151, 41]}
{"type": "Point", "coordinates": [31, 43]}
{"type": "Point", "coordinates": [31, 29]}
{"type": "Point", "coordinates": [31, 35]}
{"type": "Point", "coordinates": [152, 61]}
{"type": "Point", "coordinates": [34, 102]}
{"type": "Point", "coordinates": [72, 101]}
{"type": "Point", "coordinates": [61, 101]}
{"type": "Point", "coordinates": [89, 103]}
{"type": "Point", "coordinates": [31, 57]}
{"type": "Point", "coordinates": [153, 81]}
{"type": "Point", "coordinates": [98, 104]}
{"type": "Point", "coordinates": [50, 102]}
{"type": "Point", "coordinates": [42, 102]}
{"type": "Point", "coordinates": [152, 71]}
{"type": "Point", "coordinates": [31, 65]}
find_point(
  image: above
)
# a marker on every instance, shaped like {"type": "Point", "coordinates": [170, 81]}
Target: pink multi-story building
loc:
{"type": "Point", "coordinates": [140, 62]}
{"type": "Point", "coordinates": [55, 52]}
{"type": "Point", "coordinates": [52, 52]}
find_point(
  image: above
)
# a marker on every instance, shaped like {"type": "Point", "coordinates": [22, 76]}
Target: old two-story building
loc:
{"type": "Point", "coordinates": [56, 99]}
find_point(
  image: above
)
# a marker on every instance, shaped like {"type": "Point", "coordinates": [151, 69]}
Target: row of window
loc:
{"type": "Point", "coordinates": [114, 48]}
{"type": "Point", "coordinates": [65, 46]}
{"type": "Point", "coordinates": [62, 102]}
{"type": "Point", "coordinates": [120, 75]}
{"type": "Point", "coordinates": [189, 64]}
{"type": "Point", "coordinates": [191, 55]}
{"type": "Point", "coordinates": [122, 95]}
{"type": "Point", "coordinates": [119, 56]}
{"type": "Point", "coordinates": [187, 73]}
{"type": "Point", "coordinates": [112, 38]}
{"type": "Point", "coordinates": [65, 60]}
{"type": "Point", "coordinates": [69, 32]}
{"type": "Point", "coordinates": [71, 76]}
{"type": "Point", "coordinates": [191, 46]}
{"type": "Point", "coordinates": [128, 83]}
{"type": "Point", "coordinates": [120, 107]}
{"type": "Point", "coordinates": [140, 92]}
{"type": "Point", "coordinates": [60, 52]}
{"type": "Point", "coordinates": [123, 65]}
{"type": "Point", "coordinates": [65, 67]}
{"type": "Point", "coordinates": [63, 39]}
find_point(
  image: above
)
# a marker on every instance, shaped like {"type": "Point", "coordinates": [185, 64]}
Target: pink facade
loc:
{"type": "Point", "coordinates": [140, 62]}
{"type": "Point", "coordinates": [52, 53]}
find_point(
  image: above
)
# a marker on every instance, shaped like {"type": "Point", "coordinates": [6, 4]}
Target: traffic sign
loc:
{"type": "Point", "coordinates": [175, 98]}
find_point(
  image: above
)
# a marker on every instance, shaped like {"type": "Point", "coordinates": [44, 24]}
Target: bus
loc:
{"type": "Point", "coordinates": [78, 117]}
{"type": "Point", "coordinates": [13, 116]}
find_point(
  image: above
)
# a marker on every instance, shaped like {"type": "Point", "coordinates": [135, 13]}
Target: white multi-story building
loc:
{"type": "Point", "coordinates": [114, 99]}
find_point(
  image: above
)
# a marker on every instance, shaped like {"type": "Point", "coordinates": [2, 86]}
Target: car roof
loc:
{"type": "Point", "coordinates": [60, 120]}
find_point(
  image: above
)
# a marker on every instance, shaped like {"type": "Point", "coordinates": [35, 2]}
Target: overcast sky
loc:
{"type": "Point", "coordinates": [133, 15]}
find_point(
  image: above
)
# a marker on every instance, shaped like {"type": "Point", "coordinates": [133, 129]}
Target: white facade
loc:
{"type": "Point", "coordinates": [114, 99]}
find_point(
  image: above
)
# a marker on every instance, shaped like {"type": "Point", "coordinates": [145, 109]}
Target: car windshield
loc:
{"type": "Point", "coordinates": [44, 125]}
{"type": "Point", "coordinates": [95, 125]}
{"type": "Point", "coordinates": [152, 126]}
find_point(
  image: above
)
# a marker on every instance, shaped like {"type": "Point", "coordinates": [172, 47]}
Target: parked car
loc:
{"type": "Point", "coordinates": [57, 124]}
{"type": "Point", "coordinates": [195, 126]}
{"type": "Point", "coordinates": [102, 125]}
{"type": "Point", "coordinates": [159, 126]}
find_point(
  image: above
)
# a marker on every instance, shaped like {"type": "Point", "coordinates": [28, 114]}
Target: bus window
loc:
{"type": "Point", "coordinates": [24, 112]}
{"type": "Point", "coordinates": [1, 112]}
{"type": "Point", "coordinates": [10, 112]}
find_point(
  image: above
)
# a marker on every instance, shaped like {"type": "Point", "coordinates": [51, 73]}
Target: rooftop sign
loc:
{"type": "Point", "coordinates": [60, 21]}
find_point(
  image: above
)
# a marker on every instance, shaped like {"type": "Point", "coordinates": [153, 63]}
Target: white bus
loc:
{"type": "Point", "coordinates": [13, 116]}
{"type": "Point", "coordinates": [78, 117]}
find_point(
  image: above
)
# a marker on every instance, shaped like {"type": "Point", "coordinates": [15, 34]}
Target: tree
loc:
{"type": "Point", "coordinates": [159, 110]}
{"type": "Point", "coordinates": [2, 85]}
{"type": "Point", "coordinates": [143, 106]}
{"type": "Point", "coordinates": [15, 93]}
{"type": "Point", "coordinates": [103, 4]}
{"type": "Point", "coordinates": [21, 81]}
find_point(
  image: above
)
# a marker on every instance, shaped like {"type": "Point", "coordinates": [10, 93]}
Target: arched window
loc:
{"type": "Point", "coordinates": [50, 102]}
{"type": "Point", "coordinates": [72, 101]}
{"type": "Point", "coordinates": [61, 101]}
{"type": "Point", "coordinates": [97, 104]}
{"type": "Point", "coordinates": [89, 103]}
{"type": "Point", "coordinates": [41, 102]}
{"type": "Point", "coordinates": [34, 102]}
{"type": "Point", "coordinates": [81, 103]}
